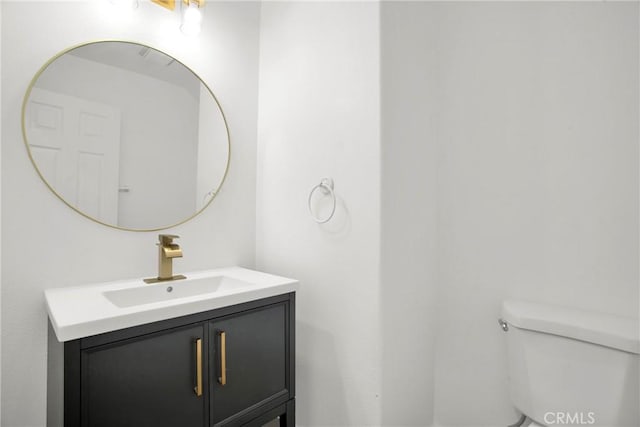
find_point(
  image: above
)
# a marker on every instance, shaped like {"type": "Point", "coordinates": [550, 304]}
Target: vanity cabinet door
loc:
{"type": "Point", "coordinates": [146, 381]}
{"type": "Point", "coordinates": [249, 363]}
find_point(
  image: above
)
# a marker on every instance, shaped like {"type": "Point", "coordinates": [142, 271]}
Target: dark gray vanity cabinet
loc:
{"type": "Point", "coordinates": [248, 353]}
{"type": "Point", "coordinates": [145, 379]}
{"type": "Point", "coordinates": [232, 366]}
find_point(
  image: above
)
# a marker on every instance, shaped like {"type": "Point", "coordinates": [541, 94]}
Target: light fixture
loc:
{"type": "Point", "coordinates": [191, 17]}
{"type": "Point", "coordinates": [191, 10]}
{"type": "Point", "coordinates": [169, 4]}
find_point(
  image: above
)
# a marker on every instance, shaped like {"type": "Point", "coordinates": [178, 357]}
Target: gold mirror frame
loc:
{"type": "Point", "coordinates": [26, 142]}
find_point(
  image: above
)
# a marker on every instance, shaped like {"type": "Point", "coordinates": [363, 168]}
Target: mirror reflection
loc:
{"type": "Point", "coordinates": [126, 135]}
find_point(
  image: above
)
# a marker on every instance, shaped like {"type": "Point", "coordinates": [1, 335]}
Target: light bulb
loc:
{"type": "Point", "coordinates": [191, 20]}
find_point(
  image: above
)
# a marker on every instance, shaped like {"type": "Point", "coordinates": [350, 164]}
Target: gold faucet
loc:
{"type": "Point", "coordinates": [167, 250]}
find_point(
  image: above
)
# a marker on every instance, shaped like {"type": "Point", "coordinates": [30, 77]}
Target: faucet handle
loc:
{"type": "Point", "coordinates": [167, 239]}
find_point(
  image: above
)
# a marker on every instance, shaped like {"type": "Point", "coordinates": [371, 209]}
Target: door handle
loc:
{"type": "Point", "coordinates": [222, 379]}
{"type": "Point", "coordinates": [198, 387]}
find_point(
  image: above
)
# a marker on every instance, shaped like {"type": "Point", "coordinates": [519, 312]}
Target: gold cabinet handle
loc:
{"type": "Point", "coordinates": [222, 379]}
{"type": "Point", "coordinates": [198, 387]}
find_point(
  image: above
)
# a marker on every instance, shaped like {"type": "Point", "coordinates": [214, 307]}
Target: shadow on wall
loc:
{"type": "Point", "coordinates": [631, 384]}
{"type": "Point", "coordinates": [317, 356]}
{"type": "Point", "coordinates": [339, 226]}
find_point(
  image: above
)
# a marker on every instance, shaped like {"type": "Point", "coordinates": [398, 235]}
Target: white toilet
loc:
{"type": "Point", "coordinates": [572, 367]}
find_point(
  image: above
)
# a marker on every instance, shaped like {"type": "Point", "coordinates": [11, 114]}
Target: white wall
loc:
{"type": "Point", "coordinates": [537, 180]}
{"type": "Point", "coordinates": [408, 226]}
{"type": "Point", "coordinates": [44, 243]}
{"type": "Point", "coordinates": [319, 116]}
{"type": "Point", "coordinates": [509, 169]}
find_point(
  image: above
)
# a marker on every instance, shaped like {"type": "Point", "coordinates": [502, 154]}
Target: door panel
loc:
{"type": "Point", "coordinates": [76, 144]}
{"type": "Point", "coordinates": [256, 361]}
{"type": "Point", "coordinates": [146, 381]}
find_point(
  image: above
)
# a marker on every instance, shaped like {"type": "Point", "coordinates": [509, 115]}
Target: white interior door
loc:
{"type": "Point", "coordinates": [76, 145]}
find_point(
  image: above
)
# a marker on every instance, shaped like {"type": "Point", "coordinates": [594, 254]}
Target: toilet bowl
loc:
{"type": "Point", "coordinates": [572, 367]}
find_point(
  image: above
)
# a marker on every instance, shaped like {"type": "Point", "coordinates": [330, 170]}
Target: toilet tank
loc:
{"type": "Point", "coordinates": [572, 367]}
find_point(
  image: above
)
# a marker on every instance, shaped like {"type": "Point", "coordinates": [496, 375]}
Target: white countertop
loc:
{"type": "Point", "coordinates": [82, 311]}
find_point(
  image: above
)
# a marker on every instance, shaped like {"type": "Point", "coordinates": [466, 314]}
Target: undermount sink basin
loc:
{"type": "Point", "coordinates": [171, 290]}
{"type": "Point", "coordinates": [81, 311]}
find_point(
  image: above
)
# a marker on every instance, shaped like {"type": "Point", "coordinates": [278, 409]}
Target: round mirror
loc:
{"type": "Point", "coordinates": [126, 135]}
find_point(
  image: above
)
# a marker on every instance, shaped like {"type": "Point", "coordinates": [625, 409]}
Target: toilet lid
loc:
{"type": "Point", "coordinates": [609, 330]}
